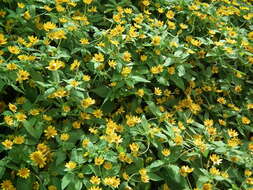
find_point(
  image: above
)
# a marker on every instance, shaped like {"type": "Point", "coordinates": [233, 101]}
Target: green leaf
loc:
{"type": "Point", "coordinates": [101, 91]}
{"type": "Point", "coordinates": [181, 70]}
{"type": "Point", "coordinates": [153, 108]}
{"type": "Point", "coordinates": [173, 176]}
{"type": "Point", "coordinates": [138, 79]}
{"type": "Point", "coordinates": [78, 184]}
{"type": "Point", "coordinates": [2, 84]}
{"type": "Point", "coordinates": [168, 62]}
{"type": "Point", "coordinates": [33, 128]}
{"type": "Point", "coordinates": [155, 177]}
{"type": "Point", "coordinates": [24, 183]}
{"type": "Point", "coordinates": [66, 180]}
{"type": "Point", "coordinates": [155, 164]}
{"type": "Point", "coordinates": [60, 157]}
{"type": "Point", "coordinates": [178, 82]}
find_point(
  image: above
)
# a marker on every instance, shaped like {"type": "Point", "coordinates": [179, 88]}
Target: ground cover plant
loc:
{"type": "Point", "coordinates": [120, 94]}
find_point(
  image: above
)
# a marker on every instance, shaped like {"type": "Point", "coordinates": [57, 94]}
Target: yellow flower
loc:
{"type": "Point", "coordinates": [183, 26]}
{"type": "Point", "coordinates": [49, 26]}
{"type": "Point", "coordinates": [8, 120]}
{"type": "Point", "coordinates": [144, 58]}
{"type": "Point", "coordinates": [12, 107]}
{"type": "Point", "coordinates": [140, 92]}
{"type": "Point", "coordinates": [99, 57]}
{"type": "Point", "coordinates": [3, 40]}
{"type": "Point", "coordinates": [38, 158]}
{"type": "Point", "coordinates": [7, 144]}
{"type": "Point", "coordinates": [185, 170]}
{"type": "Point", "coordinates": [87, 1]}
{"type": "Point", "coordinates": [171, 70]}
{"type": "Point", "coordinates": [107, 165]}
{"type": "Point", "coordinates": [158, 91]}
{"type": "Point", "coordinates": [166, 152]}
{"type": "Point", "coordinates": [70, 165]}
{"type": "Point", "coordinates": [97, 113]}
{"type": "Point", "coordinates": [95, 180]}
{"type": "Point", "coordinates": [74, 83]}
{"type": "Point", "coordinates": [178, 140]}
{"type": "Point", "coordinates": [134, 147]}
{"type": "Point", "coordinates": [85, 143]}
{"type": "Point", "coordinates": [22, 75]}
{"type": "Point", "coordinates": [132, 120]}
{"type": "Point", "coordinates": [7, 185]}
{"type": "Point", "coordinates": [145, 178]}
{"type": "Point", "coordinates": [99, 161]}
{"type": "Point", "coordinates": [143, 171]}
{"type": "Point", "coordinates": [215, 159]}
{"type": "Point", "coordinates": [112, 63]}
{"type": "Point", "coordinates": [52, 187]}
{"type": "Point", "coordinates": [27, 15]}
{"type": "Point", "coordinates": [208, 122]}
{"type": "Point", "coordinates": [20, 116]}
{"type": "Point", "coordinates": [19, 140]}
{"type": "Point", "coordinates": [14, 49]}
{"type": "Point", "coordinates": [64, 137]}
{"type": "Point", "coordinates": [214, 171]}
{"type": "Point", "coordinates": [170, 14]}
{"type": "Point", "coordinates": [156, 40]}
{"type": "Point", "coordinates": [207, 186]}
{"type": "Point", "coordinates": [112, 181]}
{"type": "Point", "coordinates": [56, 35]}
{"type": "Point", "coordinates": [86, 77]}
{"type": "Point", "coordinates": [247, 173]}
{"type": "Point", "coordinates": [245, 120]}
{"type": "Point", "coordinates": [87, 102]}
{"type": "Point", "coordinates": [84, 41]}
{"type": "Point", "coordinates": [47, 8]}
{"type": "Point", "coordinates": [196, 42]}
{"type": "Point", "coordinates": [34, 111]}
{"type": "Point", "coordinates": [126, 71]}
{"type": "Point", "coordinates": [95, 188]}
{"type": "Point", "coordinates": [55, 65]}
{"type": "Point", "coordinates": [50, 132]}
{"type": "Point", "coordinates": [24, 173]}
{"type": "Point", "coordinates": [127, 56]}
{"type": "Point", "coordinates": [250, 35]}
{"type": "Point", "coordinates": [76, 124]}
{"type": "Point", "coordinates": [156, 69]}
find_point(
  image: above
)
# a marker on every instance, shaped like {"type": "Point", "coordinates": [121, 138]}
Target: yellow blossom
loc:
{"type": "Point", "coordinates": [71, 165]}
{"type": "Point", "coordinates": [49, 26]}
{"type": "Point", "coordinates": [50, 132]}
{"type": "Point", "coordinates": [23, 173]}
{"type": "Point", "coordinates": [14, 49]}
{"type": "Point", "coordinates": [38, 158]}
{"type": "Point", "coordinates": [99, 161]}
{"type": "Point", "coordinates": [7, 144]}
{"type": "Point", "coordinates": [185, 170]}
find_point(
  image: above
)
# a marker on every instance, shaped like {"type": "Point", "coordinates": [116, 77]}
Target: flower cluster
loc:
{"type": "Point", "coordinates": [127, 95]}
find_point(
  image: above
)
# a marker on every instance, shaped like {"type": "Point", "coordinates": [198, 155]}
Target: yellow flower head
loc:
{"type": "Point", "coordinates": [99, 57]}
{"type": "Point", "coordinates": [49, 26]}
{"type": "Point", "coordinates": [7, 144]}
{"type": "Point", "coordinates": [22, 75]}
{"type": "Point", "coordinates": [14, 49]}
{"type": "Point", "coordinates": [38, 159]}
{"type": "Point", "coordinates": [24, 173]}
{"type": "Point", "coordinates": [50, 132]}
{"type": "Point", "coordinates": [55, 65]}
{"type": "Point", "coordinates": [71, 165]}
{"type": "Point", "coordinates": [185, 170]}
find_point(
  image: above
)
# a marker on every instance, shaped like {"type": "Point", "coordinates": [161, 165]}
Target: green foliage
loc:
{"type": "Point", "coordinates": [125, 95]}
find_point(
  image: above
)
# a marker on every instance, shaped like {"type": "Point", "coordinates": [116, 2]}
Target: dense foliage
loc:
{"type": "Point", "coordinates": [120, 94]}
